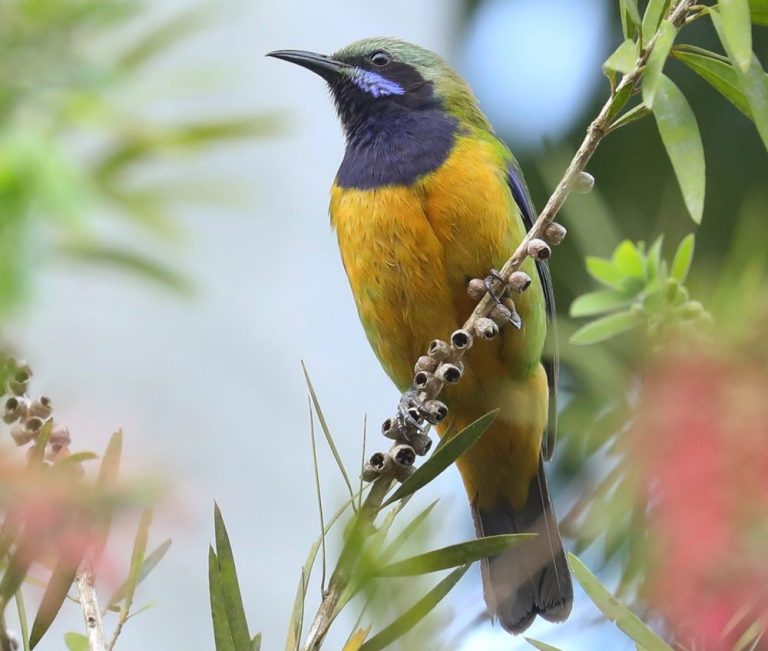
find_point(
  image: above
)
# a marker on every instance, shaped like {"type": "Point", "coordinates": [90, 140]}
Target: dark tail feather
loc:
{"type": "Point", "coordinates": [533, 578]}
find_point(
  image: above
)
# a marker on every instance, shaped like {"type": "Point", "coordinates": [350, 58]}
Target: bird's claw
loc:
{"type": "Point", "coordinates": [410, 412]}
{"type": "Point", "coordinates": [492, 277]}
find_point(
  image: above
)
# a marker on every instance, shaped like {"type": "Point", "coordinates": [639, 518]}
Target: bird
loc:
{"type": "Point", "coordinates": [427, 198]}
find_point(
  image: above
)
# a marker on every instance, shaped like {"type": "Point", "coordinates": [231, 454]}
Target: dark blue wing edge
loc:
{"type": "Point", "coordinates": [551, 363]}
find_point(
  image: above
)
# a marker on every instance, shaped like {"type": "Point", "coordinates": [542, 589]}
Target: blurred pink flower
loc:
{"type": "Point", "coordinates": [701, 446]}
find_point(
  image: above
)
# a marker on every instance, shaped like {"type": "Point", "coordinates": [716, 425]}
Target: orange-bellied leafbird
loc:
{"type": "Point", "coordinates": [428, 197]}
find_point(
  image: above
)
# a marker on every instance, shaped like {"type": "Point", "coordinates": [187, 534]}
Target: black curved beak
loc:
{"type": "Point", "coordinates": [320, 64]}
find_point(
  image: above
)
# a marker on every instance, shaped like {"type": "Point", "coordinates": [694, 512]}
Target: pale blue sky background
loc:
{"type": "Point", "coordinates": [209, 391]}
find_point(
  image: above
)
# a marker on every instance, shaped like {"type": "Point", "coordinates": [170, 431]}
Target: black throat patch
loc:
{"type": "Point", "coordinates": [396, 148]}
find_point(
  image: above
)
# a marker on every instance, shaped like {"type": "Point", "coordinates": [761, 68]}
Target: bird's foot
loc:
{"type": "Point", "coordinates": [492, 277]}
{"type": "Point", "coordinates": [410, 413]}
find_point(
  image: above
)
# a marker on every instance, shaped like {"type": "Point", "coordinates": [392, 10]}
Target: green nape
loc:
{"type": "Point", "coordinates": [449, 87]}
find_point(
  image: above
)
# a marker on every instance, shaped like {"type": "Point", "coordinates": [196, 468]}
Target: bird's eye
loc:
{"type": "Point", "coordinates": [380, 59]}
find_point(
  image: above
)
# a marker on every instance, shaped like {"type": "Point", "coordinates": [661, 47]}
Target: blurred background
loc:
{"type": "Point", "coordinates": [166, 260]}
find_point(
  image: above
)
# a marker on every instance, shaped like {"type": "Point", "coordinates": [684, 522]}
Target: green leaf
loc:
{"type": "Point", "coordinates": [132, 262]}
{"type": "Point", "coordinates": [415, 613]}
{"type": "Point", "coordinates": [628, 261]}
{"type": "Point", "coordinates": [635, 113]}
{"type": "Point", "coordinates": [221, 634]}
{"type": "Point", "coordinates": [623, 58]}
{"type": "Point", "coordinates": [297, 615]}
{"type": "Point", "coordinates": [76, 641]}
{"type": "Point", "coordinates": [456, 555]}
{"type": "Point", "coordinates": [599, 302]}
{"type": "Point", "coordinates": [758, 10]}
{"type": "Point", "coordinates": [604, 272]}
{"type": "Point", "coordinates": [720, 75]}
{"type": "Point", "coordinates": [541, 646]}
{"type": "Point", "coordinates": [680, 134]}
{"type": "Point", "coordinates": [656, 61]}
{"type": "Point", "coordinates": [653, 261]}
{"type": "Point", "coordinates": [632, 12]}
{"type": "Point", "coordinates": [406, 533]}
{"type": "Point", "coordinates": [681, 264]}
{"type": "Point", "coordinates": [654, 12]}
{"type": "Point", "coordinates": [737, 31]}
{"type": "Point", "coordinates": [752, 81]}
{"type": "Point", "coordinates": [256, 642]}
{"type": "Point", "coordinates": [625, 619]}
{"type": "Point", "coordinates": [443, 457]}
{"type": "Point", "coordinates": [137, 558]}
{"type": "Point", "coordinates": [56, 591]}
{"type": "Point", "coordinates": [327, 431]}
{"type": "Point", "coordinates": [110, 462]}
{"type": "Point", "coordinates": [606, 328]}
{"type": "Point", "coordinates": [150, 562]}
{"type": "Point", "coordinates": [230, 587]}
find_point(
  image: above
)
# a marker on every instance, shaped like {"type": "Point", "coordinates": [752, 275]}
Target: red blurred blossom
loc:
{"type": "Point", "coordinates": [701, 447]}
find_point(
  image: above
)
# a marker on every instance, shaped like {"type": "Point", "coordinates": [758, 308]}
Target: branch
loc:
{"type": "Point", "coordinates": [363, 525]}
{"type": "Point", "coordinates": [91, 610]}
{"type": "Point", "coordinates": [443, 358]}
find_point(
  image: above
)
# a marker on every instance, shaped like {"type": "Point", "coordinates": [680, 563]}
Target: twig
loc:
{"type": "Point", "coordinates": [363, 522]}
{"type": "Point", "coordinates": [596, 131]}
{"type": "Point", "coordinates": [91, 611]}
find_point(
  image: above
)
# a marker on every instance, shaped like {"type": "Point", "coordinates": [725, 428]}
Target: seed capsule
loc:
{"type": "Point", "coordinates": [539, 249]}
{"type": "Point", "coordinates": [380, 462]}
{"type": "Point", "coordinates": [391, 429]}
{"type": "Point", "coordinates": [476, 289]}
{"type": "Point", "coordinates": [449, 373]}
{"type": "Point", "coordinates": [500, 315]}
{"type": "Point", "coordinates": [461, 340]}
{"type": "Point", "coordinates": [427, 382]}
{"type": "Point", "coordinates": [555, 233]}
{"type": "Point", "coordinates": [421, 444]}
{"type": "Point", "coordinates": [519, 281]}
{"type": "Point", "coordinates": [435, 411]}
{"type": "Point", "coordinates": [439, 350]}
{"type": "Point", "coordinates": [41, 407]}
{"type": "Point", "coordinates": [514, 317]}
{"type": "Point", "coordinates": [486, 328]}
{"type": "Point", "coordinates": [16, 407]}
{"type": "Point", "coordinates": [583, 183]}
{"type": "Point", "coordinates": [402, 455]}
{"type": "Point", "coordinates": [425, 363]}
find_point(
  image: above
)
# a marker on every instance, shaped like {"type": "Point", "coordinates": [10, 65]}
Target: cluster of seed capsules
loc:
{"type": "Point", "coordinates": [442, 365]}
{"type": "Point", "coordinates": [27, 417]}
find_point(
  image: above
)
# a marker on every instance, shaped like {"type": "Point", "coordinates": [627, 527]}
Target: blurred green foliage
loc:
{"type": "Point", "coordinates": [70, 148]}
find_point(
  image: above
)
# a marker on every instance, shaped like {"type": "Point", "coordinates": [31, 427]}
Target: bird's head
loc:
{"type": "Point", "coordinates": [379, 76]}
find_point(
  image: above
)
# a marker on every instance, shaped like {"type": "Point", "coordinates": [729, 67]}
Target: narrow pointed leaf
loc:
{"type": "Point", "coordinates": [150, 562]}
{"type": "Point", "coordinates": [456, 555]}
{"type": "Point", "coordinates": [415, 613]}
{"type": "Point", "coordinates": [624, 618]}
{"type": "Point", "coordinates": [606, 328]}
{"type": "Point", "coordinates": [681, 264]}
{"type": "Point", "coordinates": [230, 587]}
{"type": "Point", "coordinates": [356, 640]}
{"type": "Point", "coordinates": [758, 12]}
{"type": "Point", "coordinates": [682, 140]}
{"type": "Point", "coordinates": [297, 615]}
{"type": "Point", "coordinates": [635, 113]}
{"type": "Point", "coordinates": [654, 12]}
{"type": "Point", "coordinates": [623, 58]}
{"type": "Point", "coordinates": [604, 272]}
{"type": "Point", "coordinates": [752, 81]}
{"type": "Point", "coordinates": [327, 431]}
{"type": "Point", "coordinates": [137, 558]}
{"type": "Point", "coordinates": [443, 457]}
{"type": "Point", "coordinates": [722, 76]}
{"type": "Point", "coordinates": [630, 6]}
{"type": "Point", "coordinates": [406, 533]}
{"type": "Point", "coordinates": [56, 591]}
{"type": "Point", "coordinates": [541, 646]}
{"type": "Point", "coordinates": [599, 302]}
{"type": "Point", "coordinates": [256, 642]}
{"type": "Point", "coordinates": [221, 634]}
{"type": "Point", "coordinates": [627, 260]}
{"type": "Point", "coordinates": [737, 30]}
{"type": "Point", "coordinates": [110, 462]}
{"type": "Point", "coordinates": [656, 61]}
{"type": "Point", "coordinates": [76, 641]}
